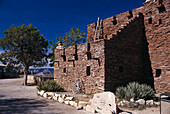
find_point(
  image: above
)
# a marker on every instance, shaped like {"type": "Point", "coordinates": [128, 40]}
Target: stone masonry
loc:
{"type": "Point", "coordinates": [133, 46]}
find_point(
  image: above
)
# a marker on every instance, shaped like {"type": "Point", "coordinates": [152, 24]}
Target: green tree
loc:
{"type": "Point", "coordinates": [71, 38]}
{"type": "Point", "coordinates": [24, 46]}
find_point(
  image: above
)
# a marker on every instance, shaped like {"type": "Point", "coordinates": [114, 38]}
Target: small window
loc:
{"type": "Point", "coordinates": [89, 56]}
{"type": "Point", "coordinates": [121, 69]}
{"type": "Point", "coordinates": [64, 58]}
{"type": "Point", "coordinates": [88, 70]}
{"type": "Point", "coordinates": [64, 70]}
{"type": "Point", "coordinates": [160, 21]}
{"type": "Point", "coordinates": [150, 20]}
{"type": "Point", "coordinates": [76, 57]}
{"type": "Point", "coordinates": [114, 22]}
{"type": "Point", "coordinates": [158, 72]}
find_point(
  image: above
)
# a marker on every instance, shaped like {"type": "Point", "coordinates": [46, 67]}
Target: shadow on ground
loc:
{"type": "Point", "coordinates": [24, 106]}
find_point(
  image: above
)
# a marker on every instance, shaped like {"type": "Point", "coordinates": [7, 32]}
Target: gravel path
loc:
{"type": "Point", "coordinates": [16, 99]}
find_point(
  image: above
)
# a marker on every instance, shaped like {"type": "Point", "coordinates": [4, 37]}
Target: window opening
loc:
{"type": "Point", "coordinates": [150, 20]}
{"type": "Point", "coordinates": [158, 72]}
{"type": "Point", "coordinates": [88, 70]}
{"type": "Point", "coordinates": [64, 70]}
{"type": "Point", "coordinates": [160, 21]}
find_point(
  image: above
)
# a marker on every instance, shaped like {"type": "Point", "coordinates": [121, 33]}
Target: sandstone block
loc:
{"type": "Point", "coordinates": [64, 96]}
{"type": "Point", "coordinates": [150, 102]}
{"type": "Point", "coordinates": [69, 98]}
{"type": "Point", "coordinates": [83, 103]}
{"type": "Point", "coordinates": [60, 99]}
{"type": "Point", "coordinates": [90, 109]}
{"type": "Point", "coordinates": [79, 107]}
{"type": "Point", "coordinates": [141, 101]}
{"type": "Point", "coordinates": [67, 102]}
{"type": "Point", "coordinates": [45, 95]}
{"type": "Point", "coordinates": [73, 103]}
{"type": "Point", "coordinates": [42, 92]}
{"type": "Point", "coordinates": [50, 94]}
{"type": "Point", "coordinates": [104, 101]}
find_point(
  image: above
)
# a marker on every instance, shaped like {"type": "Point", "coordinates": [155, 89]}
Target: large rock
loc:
{"type": "Point", "coordinates": [104, 102]}
{"type": "Point", "coordinates": [60, 99]}
{"type": "Point", "coordinates": [69, 98]}
{"type": "Point", "coordinates": [83, 103]}
{"type": "Point", "coordinates": [73, 103]}
{"type": "Point", "coordinates": [42, 92]}
{"type": "Point", "coordinates": [50, 94]}
{"type": "Point", "coordinates": [150, 102]}
{"type": "Point", "coordinates": [64, 96]}
{"type": "Point", "coordinates": [55, 98]}
{"type": "Point", "coordinates": [90, 109]}
{"type": "Point", "coordinates": [141, 101]}
{"type": "Point", "coordinates": [45, 95]}
{"type": "Point", "coordinates": [67, 102]}
{"type": "Point", "coordinates": [79, 107]}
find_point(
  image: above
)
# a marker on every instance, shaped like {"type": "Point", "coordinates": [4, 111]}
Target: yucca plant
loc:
{"type": "Point", "coordinates": [135, 90]}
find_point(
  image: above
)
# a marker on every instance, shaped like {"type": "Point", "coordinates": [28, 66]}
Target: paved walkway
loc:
{"type": "Point", "coordinates": [18, 99]}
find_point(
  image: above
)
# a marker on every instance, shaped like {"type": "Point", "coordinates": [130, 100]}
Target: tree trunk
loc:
{"type": "Point", "coordinates": [25, 75]}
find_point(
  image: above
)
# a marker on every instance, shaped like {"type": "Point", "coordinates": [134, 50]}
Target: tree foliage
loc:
{"type": "Point", "coordinates": [24, 46]}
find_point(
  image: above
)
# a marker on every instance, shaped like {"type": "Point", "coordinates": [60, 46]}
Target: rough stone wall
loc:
{"type": "Point", "coordinates": [158, 38]}
{"type": "Point", "coordinates": [155, 33]}
{"type": "Point", "coordinates": [126, 56]}
{"type": "Point", "coordinates": [94, 82]}
{"type": "Point", "coordinates": [135, 48]}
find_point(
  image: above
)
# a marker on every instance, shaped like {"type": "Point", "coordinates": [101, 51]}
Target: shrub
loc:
{"type": "Point", "coordinates": [135, 90]}
{"type": "Point", "coordinates": [50, 86]}
{"type": "Point", "coordinates": [120, 92]}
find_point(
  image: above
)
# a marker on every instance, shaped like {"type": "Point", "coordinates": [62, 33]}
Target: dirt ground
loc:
{"type": "Point", "coordinates": [15, 98]}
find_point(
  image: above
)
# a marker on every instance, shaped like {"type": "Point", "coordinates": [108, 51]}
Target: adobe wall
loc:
{"type": "Point", "coordinates": [93, 82]}
{"type": "Point", "coordinates": [154, 36]}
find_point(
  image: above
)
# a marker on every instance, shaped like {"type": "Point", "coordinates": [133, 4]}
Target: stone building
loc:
{"type": "Point", "coordinates": [132, 46]}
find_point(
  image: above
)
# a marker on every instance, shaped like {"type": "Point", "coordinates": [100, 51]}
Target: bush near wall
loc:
{"type": "Point", "coordinates": [50, 86]}
{"type": "Point", "coordinates": [136, 91]}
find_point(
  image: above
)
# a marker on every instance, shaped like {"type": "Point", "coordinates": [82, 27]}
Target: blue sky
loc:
{"type": "Point", "coordinates": [55, 17]}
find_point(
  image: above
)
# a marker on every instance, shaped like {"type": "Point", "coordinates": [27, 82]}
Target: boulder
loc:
{"type": "Point", "coordinates": [90, 109]}
{"type": "Point", "coordinates": [79, 107]}
{"type": "Point", "coordinates": [106, 112]}
{"type": "Point", "coordinates": [49, 97]}
{"type": "Point", "coordinates": [64, 96]}
{"type": "Point", "coordinates": [50, 94]}
{"type": "Point", "coordinates": [73, 103]}
{"type": "Point", "coordinates": [42, 92]}
{"type": "Point", "coordinates": [150, 102]}
{"type": "Point", "coordinates": [55, 98]}
{"type": "Point", "coordinates": [132, 100]}
{"type": "Point", "coordinates": [60, 99]}
{"type": "Point", "coordinates": [104, 102]}
{"type": "Point", "coordinates": [141, 101]}
{"type": "Point", "coordinates": [83, 103]}
{"type": "Point", "coordinates": [67, 102]}
{"type": "Point", "coordinates": [45, 95]}
{"type": "Point", "coordinates": [69, 98]}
